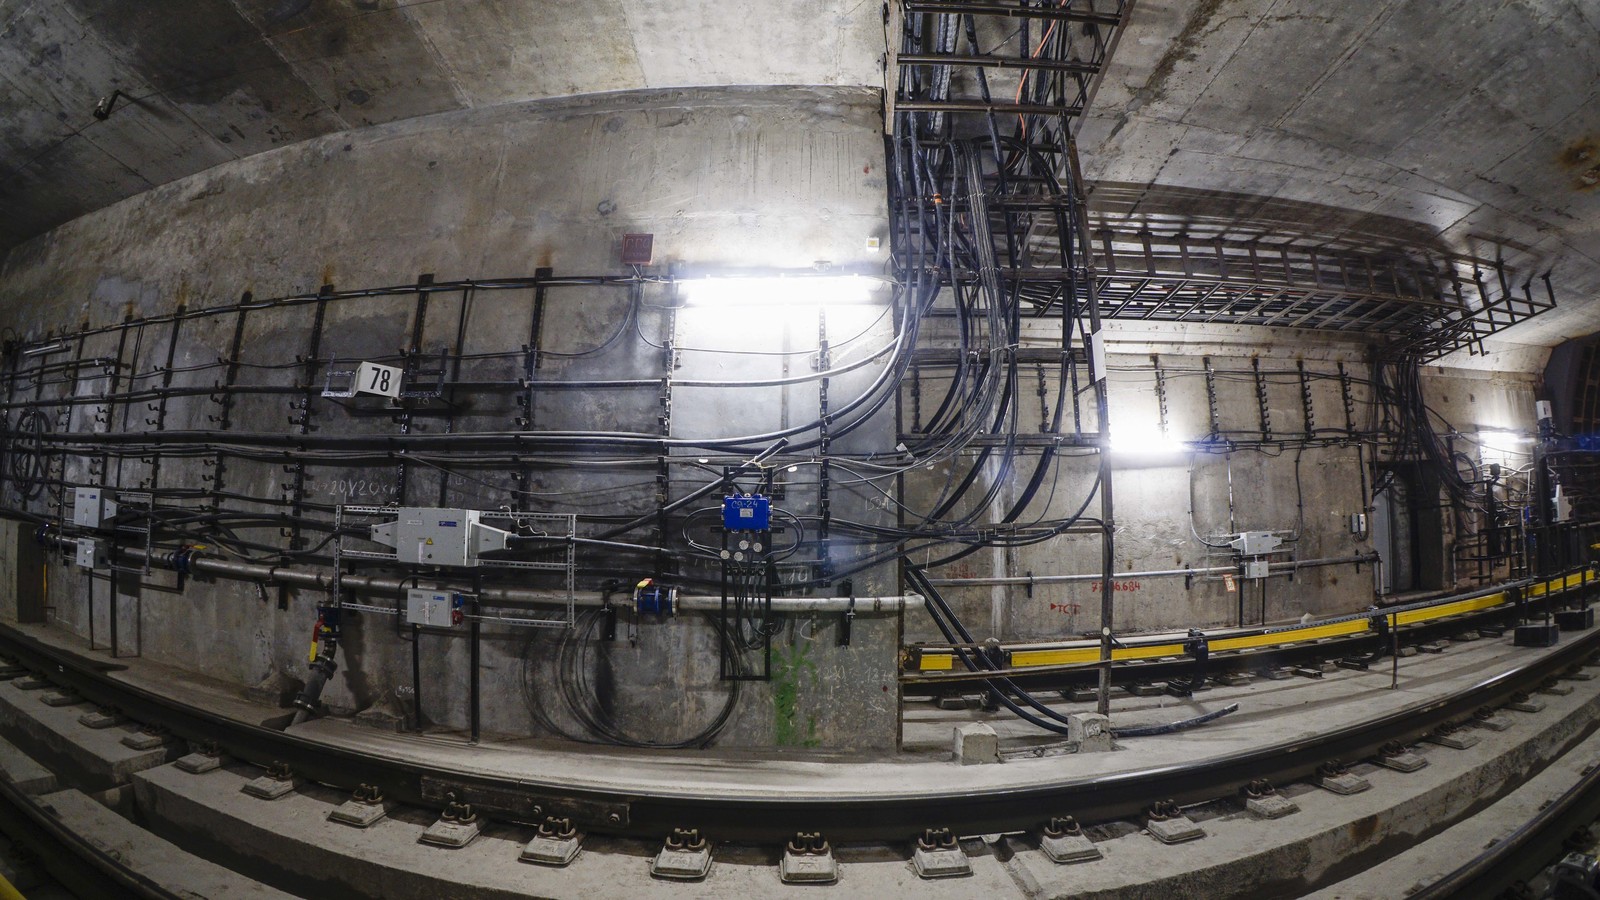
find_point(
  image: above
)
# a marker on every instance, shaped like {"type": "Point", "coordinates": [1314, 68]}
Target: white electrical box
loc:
{"type": "Point", "coordinates": [90, 554]}
{"type": "Point", "coordinates": [1097, 355]}
{"type": "Point", "coordinates": [92, 506]}
{"type": "Point", "coordinates": [433, 609]}
{"type": "Point", "coordinates": [1255, 543]}
{"type": "Point", "coordinates": [439, 537]}
{"type": "Point", "coordinates": [1562, 506]}
{"type": "Point", "coordinates": [1542, 410]}
{"type": "Point", "coordinates": [1255, 568]}
{"type": "Point", "coordinates": [372, 378]}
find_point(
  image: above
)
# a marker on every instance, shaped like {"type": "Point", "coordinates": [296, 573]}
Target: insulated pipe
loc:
{"type": "Point", "coordinates": [489, 596]}
{"type": "Point", "coordinates": [1278, 568]}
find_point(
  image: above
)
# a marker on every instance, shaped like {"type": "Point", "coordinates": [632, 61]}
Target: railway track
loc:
{"type": "Point", "coordinates": [634, 813]}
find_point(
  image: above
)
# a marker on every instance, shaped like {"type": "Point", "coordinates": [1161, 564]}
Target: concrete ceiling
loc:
{"type": "Point", "coordinates": [1465, 126]}
{"type": "Point", "coordinates": [214, 80]}
{"type": "Point", "coordinates": [1461, 125]}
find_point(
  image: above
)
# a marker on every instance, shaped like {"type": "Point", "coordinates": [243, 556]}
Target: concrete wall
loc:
{"type": "Point", "coordinates": [776, 177]}
{"type": "Point", "coordinates": [1166, 504]}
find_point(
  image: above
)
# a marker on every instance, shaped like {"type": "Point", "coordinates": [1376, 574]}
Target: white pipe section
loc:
{"type": "Point", "coordinates": [1278, 568]}
{"type": "Point", "coordinates": [323, 580]}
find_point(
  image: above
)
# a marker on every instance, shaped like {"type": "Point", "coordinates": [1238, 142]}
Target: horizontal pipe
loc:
{"type": "Point", "coordinates": [491, 596]}
{"type": "Point", "coordinates": [1279, 568]}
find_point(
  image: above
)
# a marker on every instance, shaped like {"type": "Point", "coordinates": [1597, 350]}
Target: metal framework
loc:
{"type": "Point", "coordinates": [1007, 78]}
{"type": "Point", "coordinates": [983, 163]}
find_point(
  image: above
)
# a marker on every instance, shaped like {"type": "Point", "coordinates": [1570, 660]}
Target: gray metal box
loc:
{"type": "Point", "coordinates": [436, 537]}
{"type": "Point", "coordinates": [90, 555]}
{"type": "Point", "coordinates": [1255, 543]}
{"type": "Point", "coordinates": [428, 536]}
{"type": "Point", "coordinates": [1255, 568]}
{"type": "Point", "coordinates": [430, 608]}
{"type": "Point", "coordinates": [91, 506]}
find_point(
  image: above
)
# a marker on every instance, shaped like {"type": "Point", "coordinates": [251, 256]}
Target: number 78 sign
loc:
{"type": "Point", "coordinates": [372, 378]}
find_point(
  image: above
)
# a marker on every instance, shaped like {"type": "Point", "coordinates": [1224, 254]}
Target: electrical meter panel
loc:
{"type": "Point", "coordinates": [92, 506]}
{"type": "Point", "coordinates": [433, 609]}
{"type": "Point", "coordinates": [439, 537]}
{"type": "Point", "coordinates": [746, 512]}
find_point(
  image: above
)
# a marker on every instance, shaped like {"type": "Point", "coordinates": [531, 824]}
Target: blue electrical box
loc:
{"type": "Point", "coordinates": [749, 512]}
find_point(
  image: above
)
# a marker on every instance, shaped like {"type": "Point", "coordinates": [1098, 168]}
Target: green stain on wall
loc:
{"type": "Point", "coordinates": [790, 666]}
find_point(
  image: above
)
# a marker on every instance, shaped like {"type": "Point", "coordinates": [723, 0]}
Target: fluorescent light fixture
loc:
{"type": "Point", "coordinates": [777, 290]}
{"type": "Point", "coordinates": [1503, 442]}
{"type": "Point", "coordinates": [46, 349]}
{"type": "Point", "coordinates": [1146, 442]}
{"type": "Point", "coordinates": [1498, 446]}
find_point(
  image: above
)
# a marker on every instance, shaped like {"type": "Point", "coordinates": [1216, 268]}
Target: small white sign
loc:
{"type": "Point", "coordinates": [372, 378]}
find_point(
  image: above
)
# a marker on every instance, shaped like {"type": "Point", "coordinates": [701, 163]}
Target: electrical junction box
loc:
{"type": "Point", "coordinates": [1255, 568]}
{"type": "Point", "coordinates": [372, 378]}
{"type": "Point", "coordinates": [749, 512]}
{"type": "Point", "coordinates": [433, 609]}
{"type": "Point", "coordinates": [1562, 506]}
{"type": "Point", "coordinates": [1255, 543]}
{"type": "Point", "coordinates": [427, 536]}
{"type": "Point", "coordinates": [92, 506]}
{"type": "Point", "coordinates": [90, 554]}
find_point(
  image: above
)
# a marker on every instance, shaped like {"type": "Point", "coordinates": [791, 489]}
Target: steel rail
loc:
{"type": "Point", "coordinates": [1519, 855]}
{"type": "Point", "coordinates": [649, 813]}
{"type": "Point", "coordinates": [71, 859]}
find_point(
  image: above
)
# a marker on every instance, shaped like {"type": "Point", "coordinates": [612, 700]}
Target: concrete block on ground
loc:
{"type": "Point", "coordinates": [24, 772]}
{"type": "Point", "coordinates": [975, 744]}
{"type": "Point", "coordinates": [88, 759]}
{"type": "Point", "coordinates": [178, 872]}
{"type": "Point", "coordinates": [1091, 732]}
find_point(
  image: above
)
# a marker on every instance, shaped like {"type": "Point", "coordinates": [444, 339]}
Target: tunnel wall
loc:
{"type": "Point", "coordinates": [773, 177]}
{"type": "Point", "coordinates": [782, 177]}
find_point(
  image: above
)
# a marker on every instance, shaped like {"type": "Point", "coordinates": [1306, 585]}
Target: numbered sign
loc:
{"type": "Point", "coordinates": [372, 378]}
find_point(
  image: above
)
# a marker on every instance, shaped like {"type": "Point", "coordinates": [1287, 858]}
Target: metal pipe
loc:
{"type": "Point", "coordinates": [492, 596]}
{"type": "Point", "coordinates": [1281, 568]}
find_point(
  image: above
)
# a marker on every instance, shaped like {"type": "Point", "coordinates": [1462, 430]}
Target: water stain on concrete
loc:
{"type": "Point", "coordinates": [1582, 158]}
